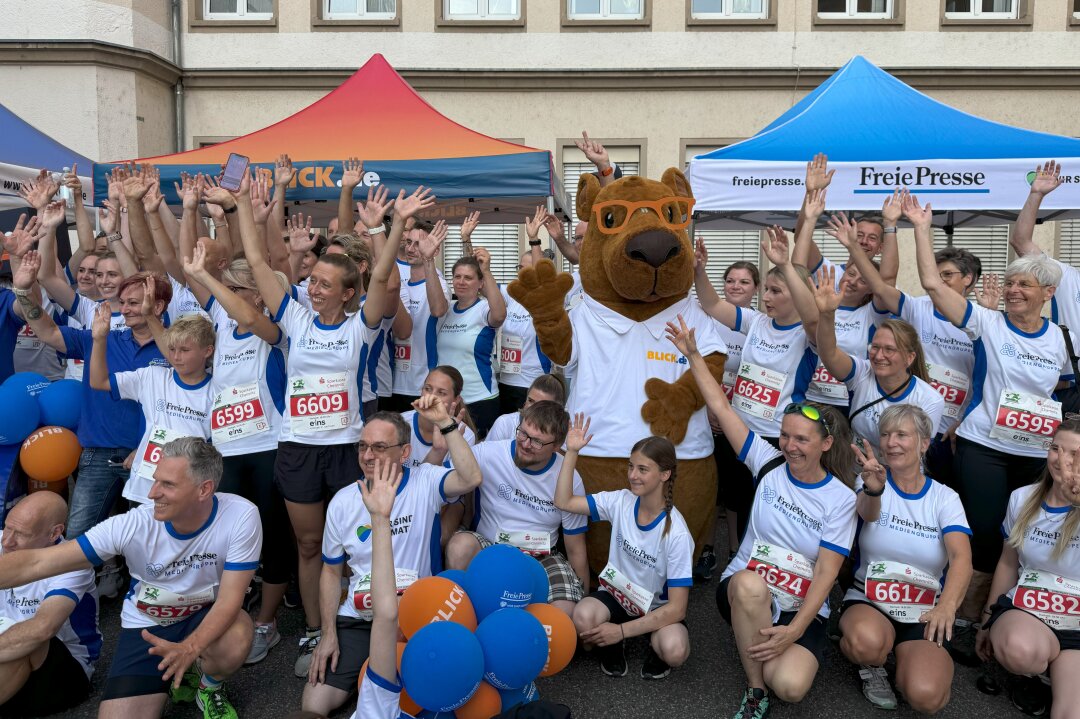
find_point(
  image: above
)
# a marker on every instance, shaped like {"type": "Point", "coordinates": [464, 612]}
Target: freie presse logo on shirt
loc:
{"type": "Point", "coordinates": [198, 560]}
{"type": "Point", "coordinates": [907, 526]}
{"type": "Point", "coordinates": [1008, 349]}
{"type": "Point", "coordinates": [231, 358]}
{"type": "Point", "coordinates": [791, 510]}
{"type": "Point", "coordinates": [310, 343]}
{"type": "Point", "coordinates": [637, 554]}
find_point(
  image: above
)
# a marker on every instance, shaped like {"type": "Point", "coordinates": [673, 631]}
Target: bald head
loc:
{"type": "Point", "coordinates": [36, 522]}
{"type": "Point", "coordinates": [47, 507]}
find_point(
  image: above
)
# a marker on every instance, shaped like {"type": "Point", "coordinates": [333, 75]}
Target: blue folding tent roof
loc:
{"type": "Point", "coordinates": [23, 144]}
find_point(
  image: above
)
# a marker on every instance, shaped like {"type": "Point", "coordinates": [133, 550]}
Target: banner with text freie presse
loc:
{"type": "Point", "coordinates": [742, 185]}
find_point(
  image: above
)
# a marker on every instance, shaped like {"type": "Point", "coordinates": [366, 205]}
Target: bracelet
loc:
{"type": "Point", "coordinates": [230, 210]}
{"type": "Point", "coordinates": [878, 493]}
{"type": "Point", "coordinates": [608, 172]}
{"type": "Point", "coordinates": [534, 243]}
{"type": "Point", "coordinates": [123, 209]}
{"type": "Point", "coordinates": [623, 633]}
{"type": "Point", "coordinates": [889, 230]}
{"type": "Point", "coordinates": [20, 292]}
{"type": "Point", "coordinates": [221, 224]}
{"type": "Point", "coordinates": [376, 230]}
{"type": "Point", "coordinates": [448, 428]}
{"type": "Point", "coordinates": [114, 237]}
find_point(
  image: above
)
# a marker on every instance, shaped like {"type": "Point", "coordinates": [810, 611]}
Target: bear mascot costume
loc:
{"type": "Point", "coordinates": [637, 268]}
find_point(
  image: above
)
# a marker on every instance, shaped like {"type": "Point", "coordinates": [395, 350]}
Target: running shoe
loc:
{"type": "Point", "coordinates": [110, 582]}
{"type": "Point", "coordinates": [755, 705]}
{"type": "Point", "coordinates": [705, 566]}
{"type": "Point", "coordinates": [253, 595]}
{"type": "Point", "coordinates": [654, 667]}
{"type": "Point", "coordinates": [292, 598]}
{"type": "Point", "coordinates": [188, 687]}
{"type": "Point", "coordinates": [613, 660]}
{"type": "Point", "coordinates": [266, 638]}
{"type": "Point", "coordinates": [876, 687]}
{"type": "Point", "coordinates": [1030, 695]}
{"type": "Point", "coordinates": [303, 659]}
{"type": "Point", "coordinates": [962, 646]}
{"type": "Point", "coordinates": [214, 704]}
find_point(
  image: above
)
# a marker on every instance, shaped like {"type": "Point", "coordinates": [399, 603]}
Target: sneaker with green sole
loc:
{"type": "Point", "coordinates": [755, 705]}
{"type": "Point", "coordinates": [214, 704]}
{"type": "Point", "coordinates": [185, 693]}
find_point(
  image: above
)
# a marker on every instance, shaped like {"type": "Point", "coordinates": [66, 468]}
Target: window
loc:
{"type": "Point", "coordinates": [606, 9]}
{"type": "Point", "coordinates": [982, 9]}
{"type": "Point", "coordinates": [575, 165]}
{"type": "Point", "coordinates": [729, 9]}
{"type": "Point", "coordinates": [359, 9]}
{"type": "Point", "coordinates": [500, 240]}
{"type": "Point", "coordinates": [990, 244]}
{"type": "Point", "coordinates": [238, 9]}
{"type": "Point", "coordinates": [860, 9]}
{"type": "Point", "coordinates": [1076, 9]}
{"type": "Point", "coordinates": [481, 9]}
{"type": "Point", "coordinates": [725, 246]}
{"type": "Point", "coordinates": [1068, 246]}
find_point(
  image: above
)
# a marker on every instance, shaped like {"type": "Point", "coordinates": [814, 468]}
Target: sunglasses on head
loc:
{"type": "Point", "coordinates": [810, 412]}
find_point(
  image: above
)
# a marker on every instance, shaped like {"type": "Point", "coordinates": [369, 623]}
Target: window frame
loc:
{"type": "Point", "coordinates": [199, 20]}
{"type": "Point", "coordinates": [730, 15]}
{"type": "Point", "coordinates": [600, 21]}
{"type": "Point", "coordinates": [893, 22]}
{"type": "Point", "coordinates": [442, 13]}
{"type": "Point", "coordinates": [1023, 16]}
{"type": "Point", "coordinates": [360, 14]}
{"type": "Point", "coordinates": [320, 20]}
{"type": "Point", "coordinates": [852, 13]}
{"type": "Point", "coordinates": [241, 15]}
{"type": "Point", "coordinates": [711, 21]}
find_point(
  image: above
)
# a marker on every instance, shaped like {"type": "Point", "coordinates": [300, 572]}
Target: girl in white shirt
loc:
{"type": "Point", "coordinates": [645, 587]}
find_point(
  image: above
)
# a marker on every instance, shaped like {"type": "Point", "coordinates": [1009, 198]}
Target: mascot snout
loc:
{"type": "Point", "coordinates": [654, 247]}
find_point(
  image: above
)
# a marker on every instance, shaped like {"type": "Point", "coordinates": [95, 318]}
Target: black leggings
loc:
{"type": "Point", "coordinates": [986, 479]}
{"type": "Point", "coordinates": [511, 398]}
{"type": "Point", "coordinates": [735, 488]}
{"type": "Point", "coordinates": [252, 477]}
{"type": "Point", "coordinates": [484, 413]}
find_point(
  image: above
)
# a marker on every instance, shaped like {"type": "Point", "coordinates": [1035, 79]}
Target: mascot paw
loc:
{"type": "Point", "coordinates": [668, 409]}
{"type": "Point", "coordinates": [541, 289]}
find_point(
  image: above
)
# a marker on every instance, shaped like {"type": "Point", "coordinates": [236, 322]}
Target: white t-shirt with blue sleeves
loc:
{"type": "Point", "coordinates": [865, 390]}
{"type": "Point", "coordinates": [520, 359]}
{"type": "Point", "coordinates": [1041, 536]}
{"type": "Point", "coordinates": [420, 448]}
{"type": "Point", "coordinates": [642, 553]}
{"type": "Point", "coordinates": [466, 340]}
{"type": "Point", "coordinates": [379, 698]}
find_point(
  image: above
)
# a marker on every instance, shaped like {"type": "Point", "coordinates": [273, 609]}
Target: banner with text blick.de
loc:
{"type": "Point", "coordinates": [740, 185]}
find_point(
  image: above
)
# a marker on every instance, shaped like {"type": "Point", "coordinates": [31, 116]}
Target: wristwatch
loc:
{"type": "Point", "coordinates": [889, 230]}
{"type": "Point", "coordinates": [448, 428]}
{"type": "Point", "coordinates": [534, 243]}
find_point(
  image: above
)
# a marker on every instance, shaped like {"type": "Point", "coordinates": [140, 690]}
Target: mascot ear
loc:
{"type": "Point", "coordinates": [587, 189]}
{"type": "Point", "coordinates": [676, 180]}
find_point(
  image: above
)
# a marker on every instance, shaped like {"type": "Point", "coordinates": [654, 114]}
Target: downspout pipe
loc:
{"type": "Point", "coordinates": [178, 60]}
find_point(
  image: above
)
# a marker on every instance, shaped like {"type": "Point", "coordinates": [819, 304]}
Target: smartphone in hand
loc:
{"type": "Point", "coordinates": [235, 168]}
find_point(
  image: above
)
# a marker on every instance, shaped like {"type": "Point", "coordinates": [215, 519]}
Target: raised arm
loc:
{"type": "Point", "coordinates": [948, 302]}
{"type": "Point", "coordinates": [379, 494]}
{"type": "Point", "coordinates": [244, 313]}
{"type": "Point", "coordinates": [775, 247]}
{"type": "Point", "coordinates": [28, 307]}
{"type": "Point", "coordinates": [1047, 179]}
{"type": "Point", "coordinates": [818, 177]}
{"type": "Point", "coordinates": [734, 429]}
{"type": "Point", "coordinates": [272, 292]}
{"type": "Point", "coordinates": [891, 210]}
{"type": "Point", "coordinates": [554, 227]}
{"type": "Point", "coordinates": [135, 188]}
{"type": "Point", "coordinates": [490, 288]}
{"type": "Point", "coordinates": [284, 174]}
{"type": "Point", "coordinates": [886, 296]}
{"type": "Point", "coordinates": [576, 439]}
{"type": "Point", "coordinates": [21, 240]}
{"type": "Point", "coordinates": [596, 154]}
{"type": "Point", "coordinates": [378, 300]}
{"type": "Point", "coordinates": [827, 299]}
{"type": "Point", "coordinates": [301, 241]}
{"type": "Point", "coordinates": [163, 244]}
{"type": "Point", "coordinates": [99, 362]}
{"type": "Point", "coordinates": [710, 300]}
{"type": "Point", "coordinates": [84, 228]}
{"type": "Point", "coordinates": [466, 475]}
{"type": "Point", "coordinates": [352, 172]}
{"type": "Point", "coordinates": [56, 287]}
{"type": "Point", "coordinates": [429, 248]}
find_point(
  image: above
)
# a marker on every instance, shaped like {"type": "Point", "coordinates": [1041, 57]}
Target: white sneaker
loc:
{"type": "Point", "coordinates": [266, 638]}
{"type": "Point", "coordinates": [110, 582]}
{"type": "Point", "coordinates": [876, 687]}
{"type": "Point", "coordinates": [303, 661]}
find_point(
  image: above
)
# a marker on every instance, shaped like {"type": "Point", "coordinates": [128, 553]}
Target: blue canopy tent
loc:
{"type": "Point", "coordinates": [972, 171]}
{"type": "Point", "coordinates": [24, 150]}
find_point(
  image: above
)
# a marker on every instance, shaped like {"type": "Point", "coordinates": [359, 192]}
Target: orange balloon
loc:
{"type": "Point", "coordinates": [405, 702]}
{"type": "Point", "coordinates": [50, 454]}
{"type": "Point", "coordinates": [485, 703]}
{"type": "Point", "coordinates": [434, 599]}
{"type": "Point", "coordinates": [561, 634]}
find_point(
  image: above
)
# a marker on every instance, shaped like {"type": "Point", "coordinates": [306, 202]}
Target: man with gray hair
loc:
{"type": "Point", "coordinates": [191, 553]}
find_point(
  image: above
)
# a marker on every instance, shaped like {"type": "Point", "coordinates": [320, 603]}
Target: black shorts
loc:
{"type": "Point", "coordinates": [134, 669]}
{"type": "Point", "coordinates": [397, 402]}
{"type": "Point", "coordinates": [1067, 640]}
{"type": "Point", "coordinates": [354, 645]}
{"type": "Point", "coordinates": [312, 473]}
{"type": "Point", "coordinates": [618, 614]}
{"type": "Point", "coordinates": [813, 639]}
{"type": "Point", "coordinates": [905, 631]}
{"type": "Point", "coordinates": [58, 684]}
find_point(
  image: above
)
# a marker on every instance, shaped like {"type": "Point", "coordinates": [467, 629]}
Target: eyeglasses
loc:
{"type": "Point", "coordinates": [376, 448]}
{"type": "Point", "coordinates": [530, 441]}
{"type": "Point", "coordinates": [613, 215]}
{"type": "Point", "coordinates": [886, 351]}
{"type": "Point", "coordinates": [1009, 284]}
{"type": "Point", "coordinates": [810, 412]}
{"type": "Point", "coordinates": [238, 288]}
{"type": "Point", "coordinates": [947, 275]}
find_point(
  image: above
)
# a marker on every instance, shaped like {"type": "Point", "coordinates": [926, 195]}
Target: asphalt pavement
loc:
{"type": "Point", "coordinates": [709, 685]}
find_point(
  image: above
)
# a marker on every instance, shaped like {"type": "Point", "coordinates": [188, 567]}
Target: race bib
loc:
{"type": "Point", "coordinates": [536, 544]}
{"type": "Point", "coordinates": [1026, 420]}
{"type": "Point", "coordinates": [237, 412]}
{"type": "Point", "coordinates": [787, 573]}
{"type": "Point", "coordinates": [510, 355]}
{"type": "Point", "coordinates": [634, 598]}
{"type": "Point", "coordinates": [825, 386]}
{"type": "Point", "coordinates": [757, 390]}
{"type": "Point", "coordinates": [903, 592]}
{"type": "Point", "coordinates": [27, 340]}
{"type": "Point", "coordinates": [159, 437]}
{"type": "Point", "coordinates": [319, 403]}
{"type": "Point", "coordinates": [164, 607]}
{"type": "Point", "coordinates": [361, 590]}
{"type": "Point", "coordinates": [730, 376]}
{"type": "Point", "coordinates": [402, 354]}
{"type": "Point", "coordinates": [952, 385]}
{"type": "Point", "coordinates": [1053, 599]}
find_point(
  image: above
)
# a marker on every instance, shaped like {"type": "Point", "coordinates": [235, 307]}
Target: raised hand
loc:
{"type": "Point", "coordinates": [71, 180]}
{"type": "Point", "coordinates": [594, 151]}
{"type": "Point", "coordinates": [153, 198]}
{"type": "Point", "coordinates": [196, 266]}
{"type": "Point", "coordinates": [284, 172]}
{"type": "Point", "coordinates": [682, 337]}
{"type": "Point", "coordinates": [135, 186]}
{"type": "Point", "coordinates": [873, 474]}
{"type": "Point", "coordinates": [109, 217]}
{"type": "Point", "coordinates": [818, 174]}
{"type": "Point", "coordinates": [378, 492]}
{"type": "Point", "coordinates": [469, 225]}
{"type": "Point", "coordinates": [893, 206]}
{"type": "Point", "coordinates": [39, 191]}
{"type": "Point", "coordinates": [377, 205]}
{"type": "Point", "coordinates": [99, 329]}
{"type": "Point", "coordinates": [701, 254]}
{"type": "Point", "coordinates": [53, 214]}
{"type": "Point", "coordinates": [432, 409]}
{"type": "Point", "coordinates": [554, 227]}
{"type": "Point", "coordinates": [299, 233]}
{"type": "Point", "coordinates": [845, 230]}
{"type": "Point", "coordinates": [429, 246]}
{"type": "Point", "coordinates": [148, 301]}
{"type": "Point", "coordinates": [915, 214]}
{"type": "Point", "coordinates": [775, 246]}
{"type": "Point", "coordinates": [407, 206]}
{"type": "Point", "coordinates": [352, 172]}
{"type": "Point", "coordinates": [989, 294]}
{"type": "Point", "coordinates": [825, 294]}
{"type": "Point", "coordinates": [189, 190]}
{"type": "Point", "coordinates": [20, 240]}
{"type": "Point", "coordinates": [213, 194]}
{"type": "Point", "coordinates": [578, 436]}
{"type": "Point", "coordinates": [262, 202]}
{"type": "Point", "coordinates": [814, 204]}
{"type": "Point", "coordinates": [1047, 178]}
{"type": "Point", "coordinates": [532, 226]}
{"type": "Point", "coordinates": [27, 271]}
{"type": "Point", "coordinates": [483, 257]}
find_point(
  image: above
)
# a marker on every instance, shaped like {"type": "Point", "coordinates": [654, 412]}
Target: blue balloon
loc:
{"type": "Point", "coordinates": [500, 577]}
{"type": "Point", "coordinates": [30, 382]}
{"type": "Point", "coordinates": [60, 404]}
{"type": "Point", "coordinates": [541, 586]}
{"type": "Point", "coordinates": [20, 414]}
{"type": "Point", "coordinates": [512, 697]}
{"type": "Point", "coordinates": [515, 648]}
{"type": "Point", "coordinates": [442, 666]}
{"type": "Point", "coordinates": [457, 576]}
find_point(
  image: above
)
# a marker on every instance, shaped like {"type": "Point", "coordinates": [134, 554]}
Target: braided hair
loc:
{"type": "Point", "coordinates": [661, 451]}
